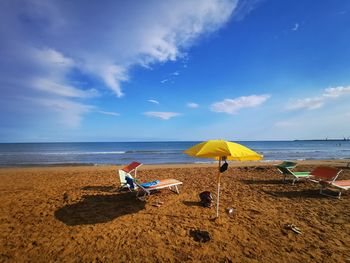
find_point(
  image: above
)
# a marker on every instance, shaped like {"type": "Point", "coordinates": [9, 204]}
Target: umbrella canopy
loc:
{"type": "Point", "coordinates": [219, 148]}
{"type": "Point", "coordinates": [222, 150]}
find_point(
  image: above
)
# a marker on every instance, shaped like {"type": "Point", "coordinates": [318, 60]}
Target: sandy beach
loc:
{"type": "Point", "coordinates": [76, 214]}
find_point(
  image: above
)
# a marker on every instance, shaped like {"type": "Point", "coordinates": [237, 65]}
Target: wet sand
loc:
{"type": "Point", "coordinates": [77, 214]}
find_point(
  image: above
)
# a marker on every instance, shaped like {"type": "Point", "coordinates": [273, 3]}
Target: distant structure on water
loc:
{"type": "Point", "coordinates": [326, 139]}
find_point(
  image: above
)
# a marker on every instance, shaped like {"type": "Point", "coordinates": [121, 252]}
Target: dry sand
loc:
{"type": "Point", "coordinates": [75, 214]}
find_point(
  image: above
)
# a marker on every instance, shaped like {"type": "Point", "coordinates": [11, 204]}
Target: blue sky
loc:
{"type": "Point", "coordinates": [174, 70]}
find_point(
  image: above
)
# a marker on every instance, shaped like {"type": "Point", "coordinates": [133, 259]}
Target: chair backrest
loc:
{"type": "Point", "coordinates": [284, 170]}
{"type": "Point", "coordinates": [325, 173]}
{"type": "Point", "coordinates": [131, 167]}
{"type": "Point", "coordinates": [287, 164]}
{"type": "Point", "coordinates": [122, 175]}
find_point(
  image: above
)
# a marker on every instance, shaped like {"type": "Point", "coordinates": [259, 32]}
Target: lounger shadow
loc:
{"type": "Point", "coordinates": [94, 209]}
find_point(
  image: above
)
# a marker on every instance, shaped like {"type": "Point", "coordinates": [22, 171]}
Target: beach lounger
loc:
{"type": "Point", "coordinates": [128, 171]}
{"type": "Point", "coordinates": [145, 189]}
{"type": "Point", "coordinates": [284, 169]}
{"type": "Point", "coordinates": [339, 185]}
{"type": "Point", "coordinates": [287, 164]}
{"type": "Point", "coordinates": [327, 178]}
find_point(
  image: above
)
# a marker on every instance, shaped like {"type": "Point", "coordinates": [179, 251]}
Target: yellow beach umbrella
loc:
{"type": "Point", "coordinates": [222, 150]}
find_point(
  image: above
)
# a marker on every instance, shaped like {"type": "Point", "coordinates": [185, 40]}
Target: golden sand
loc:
{"type": "Point", "coordinates": [76, 214]}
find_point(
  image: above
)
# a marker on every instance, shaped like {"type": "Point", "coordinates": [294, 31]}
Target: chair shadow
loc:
{"type": "Point", "coordinates": [272, 181]}
{"type": "Point", "coordinates": [192, 203]}
{"type": "Point", "coordinates": [100, 188]}
{"type": "Point", "coordinates": [94, 209]}
{"type": "Point", "coordinates": [296, 194]}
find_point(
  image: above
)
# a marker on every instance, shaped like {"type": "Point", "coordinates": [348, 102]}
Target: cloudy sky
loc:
{"type": "Point", "coordinates": [174, 70]}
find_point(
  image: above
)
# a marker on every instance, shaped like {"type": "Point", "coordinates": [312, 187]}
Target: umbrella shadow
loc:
{"type": "Point", "coordinates": [95, 209]}
{"type": "Point", "coordinates": [297, 194]}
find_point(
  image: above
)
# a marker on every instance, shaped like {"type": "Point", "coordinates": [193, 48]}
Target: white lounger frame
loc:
{"type": "Point", "coordinates": [147, 191]}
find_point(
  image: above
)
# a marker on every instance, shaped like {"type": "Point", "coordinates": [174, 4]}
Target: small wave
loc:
{"type": "Point", "coordinates": [153, 152]}
{"type": "Point", "coordinates": [49, 164]}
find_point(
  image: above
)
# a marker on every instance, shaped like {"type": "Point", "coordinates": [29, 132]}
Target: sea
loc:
{"type": "Point", "coordinates": [120, 153]}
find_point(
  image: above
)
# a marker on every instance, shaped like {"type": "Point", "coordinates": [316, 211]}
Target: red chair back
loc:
{"type": "Point", "coordinates": [131, 167]}
{"type": "Point", "coordinates": [325, 173]}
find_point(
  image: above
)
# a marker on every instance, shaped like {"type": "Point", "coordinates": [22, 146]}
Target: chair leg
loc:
{"type": "Point", "coordinates": [322, 193]}
{"type": "Point", "coordinates": [143, 197]}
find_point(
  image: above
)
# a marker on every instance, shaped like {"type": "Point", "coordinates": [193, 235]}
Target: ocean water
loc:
{"type": "Point", "coordinates": [116, 153]}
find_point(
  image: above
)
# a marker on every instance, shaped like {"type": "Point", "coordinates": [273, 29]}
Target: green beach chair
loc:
{"type": "Point", "coordinates": [285, 169]}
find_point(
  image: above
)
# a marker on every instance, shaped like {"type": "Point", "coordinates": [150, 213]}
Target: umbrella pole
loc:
{"type": "Point", "coordinates": [218, 195]}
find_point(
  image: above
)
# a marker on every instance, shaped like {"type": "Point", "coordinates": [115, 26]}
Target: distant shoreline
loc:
{"type": "Point", "coordinates": [146, 166]}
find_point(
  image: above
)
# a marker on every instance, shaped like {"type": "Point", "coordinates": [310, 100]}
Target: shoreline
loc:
{"type": "Point", "coordinates": [334, 162]}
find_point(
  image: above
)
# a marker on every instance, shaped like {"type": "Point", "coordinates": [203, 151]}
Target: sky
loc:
{"type": "Point", "coordinates": [174, 70]}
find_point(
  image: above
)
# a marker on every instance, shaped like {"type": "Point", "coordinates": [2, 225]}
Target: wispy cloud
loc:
{"type": "Point", "coordinates": [164, 80]}
{"type": "Point", "coordinates": [69, 113]}
{"type": "Point", "coordinates": [154, 101]}
{"type": "Point", "coordinates": [51, 87]}
{"type": "Point", "coordinates": [232, 106]}
{"type": "Point", "coordinates": [337, 92]}
{"type": "Point", "coordinates": [319, 101]}
{"type": "Point", "coordinates": [109, 113]}
{"type": "Point", "coordinates": [171, 77]}
{"type": "Point", "coordinates": [192, 105]}
{"type": "Point", "coordinates": [307, 103]}
{"type": "Point", "coordinates": [161, 115]}
{"type": "Point", "coordinates": [244, 7]}
{"type": "Point", "coordinates": [342, 12]}
{"type": "Point", "coordinates": [295, 27]}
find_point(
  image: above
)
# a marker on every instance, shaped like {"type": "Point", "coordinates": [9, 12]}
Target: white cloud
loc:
{"type": "Point", "coordinates": [244, 8]}
{"type": "Point", "coordinates": [161, 115]}
{"type": "Point", "coordinates": [109, 113]}
{"type": "Point", "coordinates": [192, 105]}
{"type": "Point", "coordinates": [337, 92]}
{"type": "Point", "coordinates": [296, 27]}
{"type": "Point", "coordinates": [51, 56]}
{"type": "Point", "coordinates": [153, 101]}
{"type": "Point", "coordinates": [307, 103]}
{"type": "Point", "coordinates": [232, 106]}
{"type": "Point", "coordinates": [176, 73]}
{"type": "Point", "coordinates": [63, 90]}
{"type": "Point", "coordinates": [319, 101]}
{"type": "Point", "coordinates": [112, 76]}
{"type": "Point", "coordinates": [69, 113]}
{"type": "Point", "coordinates": [171, 77]}
{"type": "Point", "coordinates": [160, 33]}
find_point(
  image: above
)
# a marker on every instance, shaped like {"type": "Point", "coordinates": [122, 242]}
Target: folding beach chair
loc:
{"type": "Point", "coordinates": [326, 177]}
{"type": "Point", "coordinates": [145, 189]}
{"type": "Point", "coordinates": [285, 169]}
{"type": "Point", "coordinates": [128, 171]}
{"type": "Point", "coordinates": [339, 185]}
